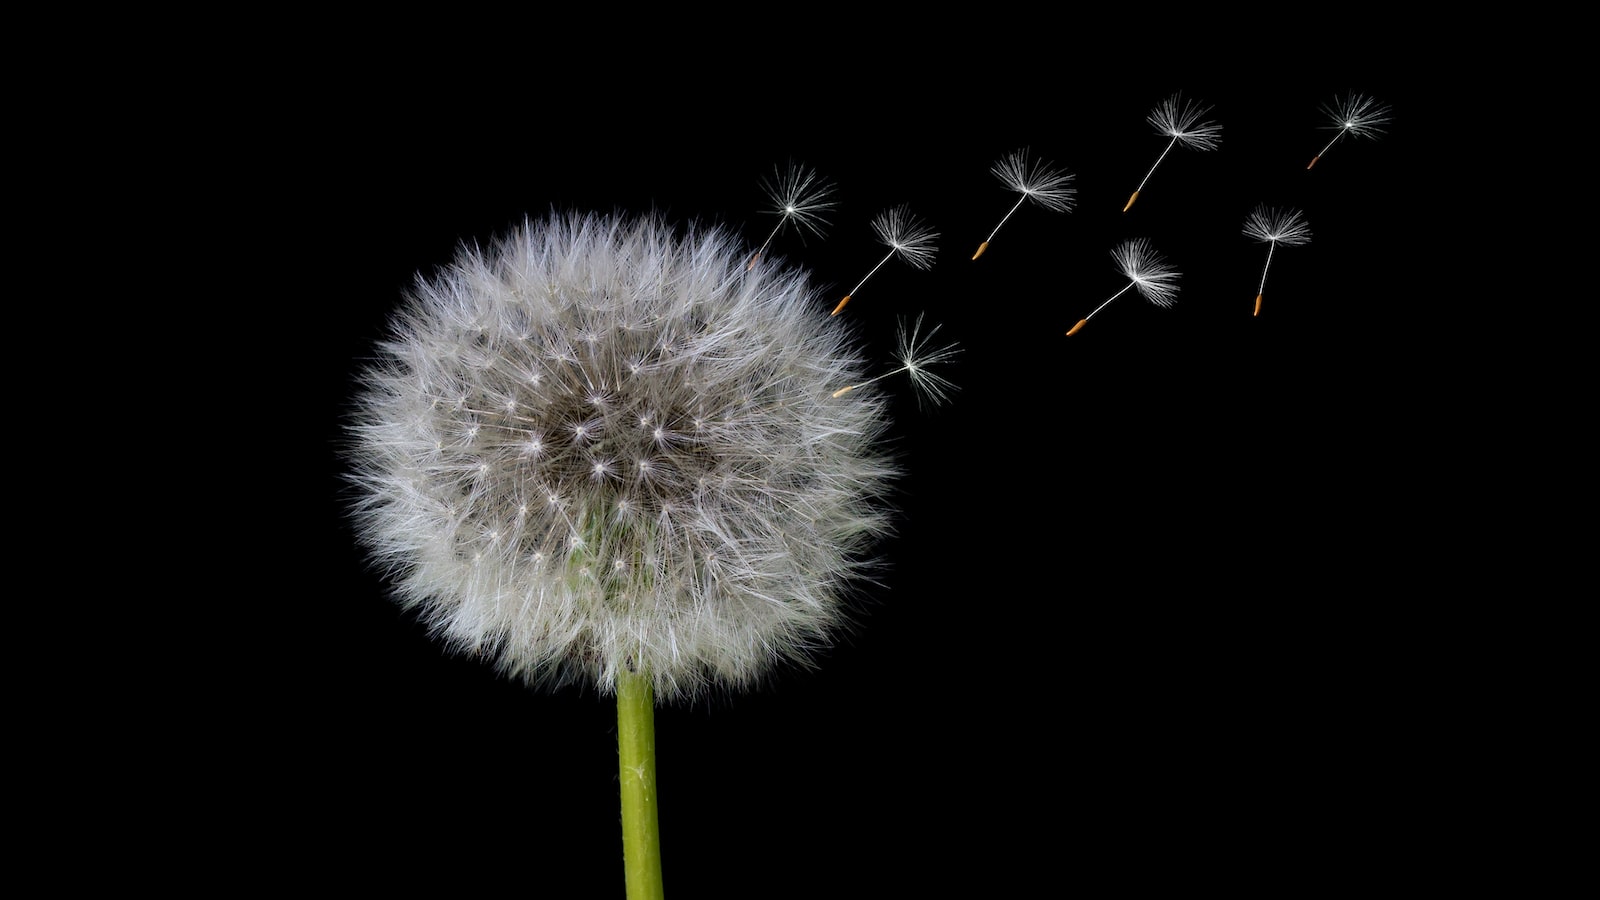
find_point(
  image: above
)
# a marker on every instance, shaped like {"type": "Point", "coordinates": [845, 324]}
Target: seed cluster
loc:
{"type": "Point", "coordinates": [599, 444]}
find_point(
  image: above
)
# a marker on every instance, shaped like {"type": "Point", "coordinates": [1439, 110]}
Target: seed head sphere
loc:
{"type": "Point", "coordinates": [601, 443]}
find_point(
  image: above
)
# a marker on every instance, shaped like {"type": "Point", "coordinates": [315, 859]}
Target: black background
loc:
{"type": "Point", "coordinates": [1129, 633]}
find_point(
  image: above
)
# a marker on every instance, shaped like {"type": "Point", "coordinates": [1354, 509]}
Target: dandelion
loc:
{"type": "Point", "coordinates": [906, 236]}
{"type": "Point", "coordinates": [799, 196]}
{"type": "Point", "coordinates": [603, 452]}
{"type": "Point", "coordinates": [1181, 122]}
{"type": "Point", "coordinates": [916, 357]}
{"type": "Point", "coordinates": [1275, 226]}
{"type": "Point", "coordinates": [1035, 181]}
{"type": "Point", "coordinates": [583, 392]}
{"type": "Point", "coordinates": [1356, 115]}
{"type": "Point", "coordinates": [1146, 271]}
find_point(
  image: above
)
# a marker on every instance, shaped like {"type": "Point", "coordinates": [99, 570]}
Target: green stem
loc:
{"type": "Point", "coordinates": [636, 749]}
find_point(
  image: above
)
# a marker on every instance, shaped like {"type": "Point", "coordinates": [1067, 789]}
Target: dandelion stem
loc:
{"type": "Point", "coordinates": [845, 390]}
{"type": "Point", "coordinates": [1085, 320]}
{"type": "Point", "coordinates": [756, 257]}
{"type": "Point", "coordinates": [853, 290]}
{"type": "Point", "coordinates": [636, 751]}
{"type": "Point", "coordinates": [1152, 171]}
{"type": "Point", "coordinates": [1325, 149]}
{"type": "Point", "coordinates": [1271, 246]}
{"type": "Point", "coordinates": [1014, 207]}
{"type": "Point", "coordinates": [886, 258]}
{"type": "Point", "coordinates": [1108, 301]}
{"type": "Point", "coordinates": [766, 243]}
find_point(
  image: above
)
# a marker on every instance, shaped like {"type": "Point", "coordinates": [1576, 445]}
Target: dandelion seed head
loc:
{"type": "Point", "coordinates": [918, 356]}
{"type": "Point", "coordinates": [907, 236]}
{"type": "Point", "coordinates": [1154, 278]}
{"type": "Point", "coordinates": [1279, 226]}
{"type": "Point", "coordinates": [1358, 115]}
{"type": "Point", "coordinates": [707, 522]}
{"type": "Point", "coordinates": [1179, 119]}
{"type": "Point", "coordinates": [800, 196]}
{"type": "Point", "coordinates": [1037, 180]}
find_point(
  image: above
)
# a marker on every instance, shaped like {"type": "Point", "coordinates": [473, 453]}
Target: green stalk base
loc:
{"type": "Point", "coordinates": [636, 751]}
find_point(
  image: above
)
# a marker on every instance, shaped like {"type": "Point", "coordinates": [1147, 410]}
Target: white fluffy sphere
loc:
{"type": "Point", "coordinates": [599, 443]}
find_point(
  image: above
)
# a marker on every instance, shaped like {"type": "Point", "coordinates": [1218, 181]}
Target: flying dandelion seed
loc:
{"type": "Point", "coordinates": [916, 356]}
{"type": "Point", "coordinates": [799, 196]}
{"type": "Point", "coordinates": [1146, 270]}
{"type": "Point", "coordinates": [1357, 115]}
{"type": "Point", "coordinates": [1181, 122]}
{"type": "Point", "coordinates": [1035, 181]}
{"type": "Point", "coordinates": [906, 236]}
{"type": "Point", "coordinates": [1275, 226]}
